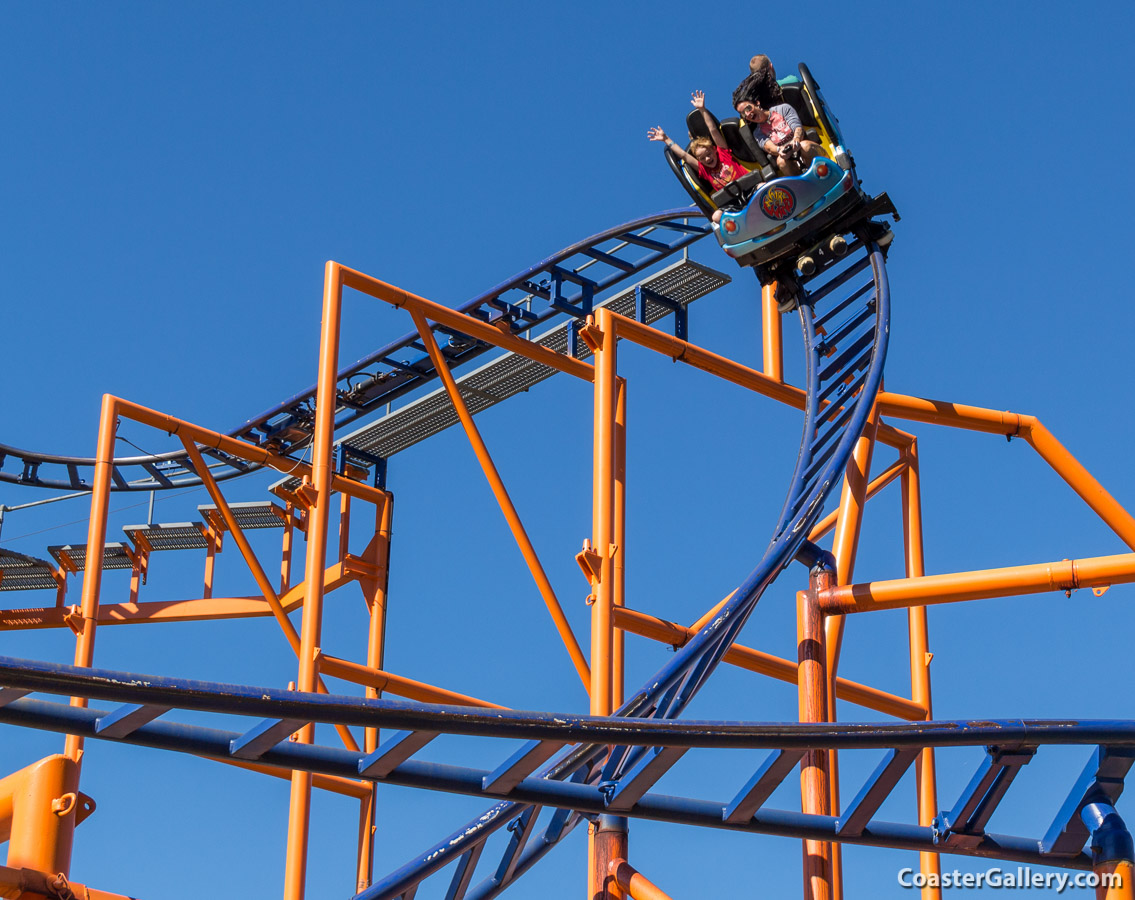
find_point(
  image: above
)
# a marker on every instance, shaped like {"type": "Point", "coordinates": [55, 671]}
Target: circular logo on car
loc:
{"type": "Point", "coordinates": [778, 203]}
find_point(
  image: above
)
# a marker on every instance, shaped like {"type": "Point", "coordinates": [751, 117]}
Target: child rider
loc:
{"type": "Point", "coordinates": [712, 158]}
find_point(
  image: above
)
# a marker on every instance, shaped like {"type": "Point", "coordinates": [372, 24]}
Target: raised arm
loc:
{"type": "Point", "coordinates": [657, 134]}
{"type": "Point", "coordinates": [714, 133]}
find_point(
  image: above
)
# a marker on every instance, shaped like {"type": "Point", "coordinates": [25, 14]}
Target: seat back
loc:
{"type": "Point", "coordinates": [698, 190]}
{"type": "Point", "coordinates": [695, 123]}
{"type": "Point", "coordinates": [794, 96]}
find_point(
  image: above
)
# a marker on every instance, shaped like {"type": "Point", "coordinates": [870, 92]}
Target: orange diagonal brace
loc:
{"type": "Point", "coordinates": [975, 418]}
{"type": "Point", "coordinates": [634, 882]}
{"type": "Point", "coordinates": [396, 684]}
{"type": "Point", "coordinates": [501, 493]}
{"type": "Point", "coordinates": [258, 573]}
{"type": "Point", "coordinates": [661, 630]}
{"type": "Point", "coordinates": [451, 318]}
{"type": "Point", "coordinates": [250, 559]}
{"type": "Point", "coordinates": [892, 472]}
{"type": "Point", "coordinates": [335, 784]}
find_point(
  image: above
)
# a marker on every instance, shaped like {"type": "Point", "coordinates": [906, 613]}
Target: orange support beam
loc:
{"type": "Point", "coordinates": [424, 308]}
{"type": "Point", "coordinates": [762, 663]}
{"type": "Point", "coordinates": [637, 885]}
{"type": "Point", "coordinates": [39, 808]}
{"type": "Point", "coordinates": [975, 418]}
{"type": "Point", "coordinates": [1063, 575]}
{"type": "Point", "coordinates": [396, 684]}
{"type": "Point", "coordinates": [543, 584]}
{"type": "Point", "coordinates": [919, 640]}
{"type": "Point", "coordinates": [815, 787]}
{"type": "Point", "coordinates": [772, 341]}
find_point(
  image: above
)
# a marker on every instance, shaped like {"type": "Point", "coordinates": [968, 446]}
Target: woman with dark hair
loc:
{"type": "Point", "coordinates": [759, 87]}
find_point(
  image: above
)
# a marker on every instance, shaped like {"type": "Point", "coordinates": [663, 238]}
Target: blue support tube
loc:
{"type": "Point", "coordinates": [21, 676]}
{"type": "Point", "coordinates": [1111, 841]}
{"type": "Point", "coordinates": [575, 795]}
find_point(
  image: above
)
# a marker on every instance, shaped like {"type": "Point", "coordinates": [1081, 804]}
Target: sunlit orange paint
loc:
{"type": "Point", "coordinates": [637, 885]}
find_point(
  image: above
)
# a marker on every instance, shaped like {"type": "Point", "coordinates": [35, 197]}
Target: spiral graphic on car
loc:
{"type": "Point", "coordinates": [778, 203]}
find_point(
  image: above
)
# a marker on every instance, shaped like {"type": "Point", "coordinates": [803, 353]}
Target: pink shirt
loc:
{"type": "Point", "coordinates": [780, 125]}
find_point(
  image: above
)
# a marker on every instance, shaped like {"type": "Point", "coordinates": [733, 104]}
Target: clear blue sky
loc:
{"type": "Point", "coordinates": [176, 176]}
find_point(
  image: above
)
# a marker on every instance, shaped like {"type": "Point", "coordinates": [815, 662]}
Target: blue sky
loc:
{"type": "Point", "coordinates": [176, 176]}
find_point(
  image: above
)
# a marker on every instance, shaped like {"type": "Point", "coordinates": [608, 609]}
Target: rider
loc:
{"type": "Point", "coordinates": [762, 82]}
{"type": "Point", "coordinates": [777, 129]}
{"type": "Point", "coordinates": [710, 156]}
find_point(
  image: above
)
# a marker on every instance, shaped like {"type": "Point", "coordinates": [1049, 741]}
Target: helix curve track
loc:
{"type": "Point", "coordinates": [844, 320]}
{"type": "Point", "coordinates": [843, 313]}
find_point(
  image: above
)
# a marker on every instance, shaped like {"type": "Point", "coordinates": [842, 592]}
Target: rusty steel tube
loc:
{"type": "Point", "coordinates": [815, 788]}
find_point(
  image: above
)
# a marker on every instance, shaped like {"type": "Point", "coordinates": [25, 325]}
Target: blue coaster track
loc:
{"type": "Point", "coordinates": [564, 284]}
{"type": "Point", "coordinates": [844, 314]}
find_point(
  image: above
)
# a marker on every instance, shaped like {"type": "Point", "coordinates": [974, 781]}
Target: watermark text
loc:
{"type": "Point", "coordinates": [1021, 877]}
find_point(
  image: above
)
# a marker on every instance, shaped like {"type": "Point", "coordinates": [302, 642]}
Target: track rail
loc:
{"type": "Point", "coordinates": [844, 315]}
{"type": "Point", "coordinates": [844, 320]}
{"type": "Point", "coordinates": [564, 284]}
{"type": "Point", "coordinates": [1008, 745]}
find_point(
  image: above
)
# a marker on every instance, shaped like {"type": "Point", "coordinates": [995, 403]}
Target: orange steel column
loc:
{"type": "Point", "coordinates": [500, 492]}
{"type": "Point", "coordinates": [96, 539]}
{"type": "Point", "coordinates": [1079, 479]}
{"type": "Point", "coordinates": [602, 630]}
{"type": "Point", "coordinates": [815, 790]}
{"type": "Point", "coordinates": [771, 334]}
{"type": "Point", "coordinates": [38, 804]}
{"type": "Point", "coordinates": [299, 810]}
{"type": "Point", "coordinates": [607, 836]}
{"type": "Point", "coordinates": [376, 649]}
{"type": "Point", "coordinates": [607, 843]}
{"type": "Point", "coordinates": [925, 777]}
{"type": "Point", "coordinates": [848, 525]}
{"type": "Point", "coordinates": [619, 532]}
{"type": "Point", "coordinates": [844, 546]}
{"type": "Point", "coordinates": [1117, 880]}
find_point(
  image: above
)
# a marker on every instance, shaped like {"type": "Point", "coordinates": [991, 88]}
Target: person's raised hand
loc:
{"type": "Point", "coordinates": [698, 99]}
{"type": "Point", "coordinates": [656, 134]}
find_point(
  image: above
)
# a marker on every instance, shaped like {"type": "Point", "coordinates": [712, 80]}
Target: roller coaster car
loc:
{"type": "Point", "coordinates": [771, 222]}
